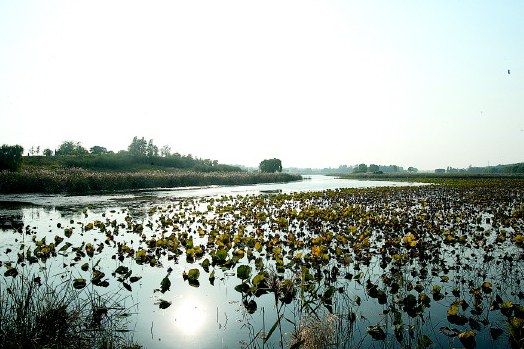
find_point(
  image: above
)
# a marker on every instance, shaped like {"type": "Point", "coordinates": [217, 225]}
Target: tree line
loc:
{"type": "Point", "coordinates": [511, 168]}
{"type": "Point", "coordinates": [140, 154]}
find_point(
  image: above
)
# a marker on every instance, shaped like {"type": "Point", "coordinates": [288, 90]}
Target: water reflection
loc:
{"type": "Point", "coordinates": [191, 316]}
{"type": "Point", "coordinates": [311, 183]}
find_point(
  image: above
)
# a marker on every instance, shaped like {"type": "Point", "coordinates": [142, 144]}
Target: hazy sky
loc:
{"type": "Point", "coordinates": [314, 83]}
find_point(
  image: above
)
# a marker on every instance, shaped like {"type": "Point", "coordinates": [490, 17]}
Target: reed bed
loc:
{"type": "Point", "coordinates": [80, 181]}
{"type": "Point", "coordinates": [38, 311]}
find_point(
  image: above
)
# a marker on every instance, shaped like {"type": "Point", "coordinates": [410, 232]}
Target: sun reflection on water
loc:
{"type": "Point", "coordinates": [191, 316]}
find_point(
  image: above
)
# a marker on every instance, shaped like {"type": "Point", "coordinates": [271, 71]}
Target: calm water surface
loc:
{"type": "Point", "coordinates": [309, 183]}
{"type": "Point", "coordinates": [208, 316]}
{"type": "Point", "coordinates": [204, 317]}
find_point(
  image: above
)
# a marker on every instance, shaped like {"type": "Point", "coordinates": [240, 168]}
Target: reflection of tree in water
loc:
{"type": "Point", "coordinates": [11, 215]}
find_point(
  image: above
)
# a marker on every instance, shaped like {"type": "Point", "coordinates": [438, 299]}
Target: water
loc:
{"type": "Point", "coordinates": [310, 183]}
{"type": "Point", "coordinates": [208, 316]}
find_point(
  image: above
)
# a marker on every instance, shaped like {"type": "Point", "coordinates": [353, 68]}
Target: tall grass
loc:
{"type": "Point", "coordinates": [76, 180]}
{"type": "Point", "coordinates": [40, 312]}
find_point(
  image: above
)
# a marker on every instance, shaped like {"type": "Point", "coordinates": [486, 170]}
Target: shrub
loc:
{"type": "Point", "coordinates": [11, 157]}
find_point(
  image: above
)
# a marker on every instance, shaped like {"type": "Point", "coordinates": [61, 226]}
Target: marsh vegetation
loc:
{"type": "Point", "coordinates": [422, 266]}
{"type": "Point", "coordinates": [82, 181]}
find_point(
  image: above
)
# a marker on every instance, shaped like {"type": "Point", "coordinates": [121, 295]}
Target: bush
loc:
{"type": "Point", "coordinates": [11, 157]}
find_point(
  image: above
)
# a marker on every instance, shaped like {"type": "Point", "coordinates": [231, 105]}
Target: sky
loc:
{"type": "Point", "coordinates": [317, 84]}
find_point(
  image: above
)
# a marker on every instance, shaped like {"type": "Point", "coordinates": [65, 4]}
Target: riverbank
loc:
{"type": "Point", "coordinates": [81, 181]}
{"type": "Point", "coordinates": [421, 176]}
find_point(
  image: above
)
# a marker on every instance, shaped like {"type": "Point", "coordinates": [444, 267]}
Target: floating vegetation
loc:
{"type": "Point", "coordinates": [388, 265]}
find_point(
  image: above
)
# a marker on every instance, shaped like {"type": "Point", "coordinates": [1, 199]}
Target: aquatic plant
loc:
{"type": "Point", "coordinates": [315, 331]}
{"type": "Point", "coordinates": [39, 311]}
{"type": "Point", "coordinates": [389, 257]}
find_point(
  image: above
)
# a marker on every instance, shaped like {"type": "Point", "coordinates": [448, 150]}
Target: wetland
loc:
{"type": "Point", "coordinates": [321, 262]}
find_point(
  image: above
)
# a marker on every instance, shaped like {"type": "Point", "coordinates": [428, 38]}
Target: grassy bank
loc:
{"type": "Point", "coordinates": [80, 181]}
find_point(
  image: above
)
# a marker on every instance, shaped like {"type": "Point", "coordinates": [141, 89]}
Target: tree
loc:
{"type": "Point", "coordinates": [11, 157]}
{"type": "Point", "coordinates": [48, 152]}
{"type": "Point", "coordinates": [165, 151]}
{"type": "Point", "coordinates": [138, 147]}
{"type": "Point", "coordinates": [373, 168]}
{"type": "Point", "coordinates": [362, 168]}
{"type": "Point", "coordinates": [71, 148]}
{"type": "Point", "coordinates": [152, 150]}
{"type": "Point", "coordinates": [98, 150]}
{"type": "Point", "coordinates": [412, 169]}
{"type": "Point", "coordinates": [270, 165]}
{"type": "Point", "coordinates": [34, 150]}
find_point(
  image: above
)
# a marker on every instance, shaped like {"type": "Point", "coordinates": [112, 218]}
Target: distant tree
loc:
{"type": "Point", "coordinates": [71, 148]}
{"type": "Point", "coordinates": [412, 169]}
{"type": "Point", "coordinates": [98, 150]}
{"type": "Point", "coordinates": [48, 152]}
{"type": "Point", "coordinates": [165, 151]}
{"type": "Point", "coordinates": [373, 168]}
{"type": "Point", "coordinates": [361, 168]}
{"type": "Point", "coordinates": [343, 169]}
{"type": "Point", "coordinates": [11, 157]}
{"type": "Point", "coordinates": [270, 165]}
{"type": "Point", "coordinates": [151, 150]}
{"type": "Point", "coordinates": [440, 170]}
{"type": "Point", "coordinates": [138, 147]}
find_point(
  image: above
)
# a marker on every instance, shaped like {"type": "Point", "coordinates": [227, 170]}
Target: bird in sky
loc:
{"type": "Point", "coordinates": [508, 71]}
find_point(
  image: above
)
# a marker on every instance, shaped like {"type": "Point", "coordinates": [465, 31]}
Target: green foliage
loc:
{"type": "Point", "coordinates": [362, 168]}
{"type": "Point", "coordinates": [71, 148]}
{"type": "Point", "coordinates": [125, 162]}
{"type": "Point", "coordinates": [48, 152]}
{"type": "Point", "coordinates": [138, 147]}
{"type": "Point", "coordinates": [243, 272]}
{"type": "Point", "coordinates": [151, 150]}
{"type": "Point", "coordinates": [193, 274]}
{"type": "Point", "coordinates": [270, 165]}
{"type": "Point", "coordinates": [97, 150]}
{"type": "Point", "coordinates": [76, 180]}
{"type": "Point", "coordinates": [373, 168]}
{"type": "Point", "coordinates": [11, 157]}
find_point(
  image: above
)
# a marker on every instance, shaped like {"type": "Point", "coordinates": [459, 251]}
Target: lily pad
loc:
{"type": "Point", "coordinates": [163, 304]}
{"type": "Point", "coordinates": [79, 283]}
